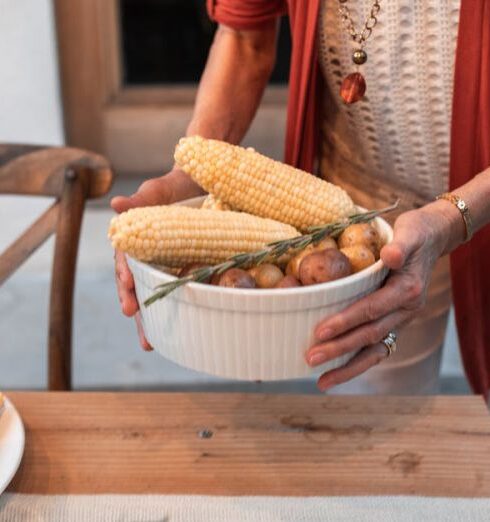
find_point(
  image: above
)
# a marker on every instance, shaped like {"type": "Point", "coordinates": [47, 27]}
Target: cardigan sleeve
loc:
{"type": "Point", "coordinates": [246, 14]}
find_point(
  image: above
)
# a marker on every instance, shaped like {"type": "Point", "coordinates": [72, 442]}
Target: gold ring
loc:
{"type": "Point", "coordinates": [390, 343]}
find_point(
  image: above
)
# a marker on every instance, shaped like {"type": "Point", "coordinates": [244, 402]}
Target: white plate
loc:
{"type": "Point", "coordinates": [12, 440]}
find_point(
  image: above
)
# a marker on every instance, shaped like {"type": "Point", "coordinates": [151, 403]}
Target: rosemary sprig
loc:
{"type": "Point", "coordinates": [271, 252]}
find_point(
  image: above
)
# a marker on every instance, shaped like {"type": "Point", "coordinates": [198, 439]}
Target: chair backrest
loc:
{"type": "Point", "coordinates": [70, 176]}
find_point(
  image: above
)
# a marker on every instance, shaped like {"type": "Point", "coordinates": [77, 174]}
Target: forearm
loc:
{"type": "Point", "coordinates": [236, 73]}
{"type": "Point", "coordinates": [476, 194]}
{"type": "Point", "coordinates": [238, 68]}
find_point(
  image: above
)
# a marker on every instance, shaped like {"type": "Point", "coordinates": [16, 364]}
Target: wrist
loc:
{"type": "Point", "coordinates": [450, 231]}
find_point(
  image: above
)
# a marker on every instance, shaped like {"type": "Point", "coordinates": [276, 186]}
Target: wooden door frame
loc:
{"type": "Point", "coordinates": [135, 127]}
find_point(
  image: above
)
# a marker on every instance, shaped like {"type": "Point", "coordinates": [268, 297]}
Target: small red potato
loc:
{"type": "Point", "coordinates": [288, 281]}
{"type": "Point", "coordinates": [323, 266]}
{"type": "Point", "coordinates": [253, 271]}
{"type": "Point", "coordinates": [267, 275]}
{"type": "Point", "coordinates": [215, 279]}
{"type": "Point", "coordinates": [292, 267]}
{"type": "Point", "coordinates": [361, 234]}
{"type": "Point", "coordinates": [236, 278]}
{"type": "Point", "coordinates": [326, 242]}
{"type": "Point", "coordinates": [360, 257]}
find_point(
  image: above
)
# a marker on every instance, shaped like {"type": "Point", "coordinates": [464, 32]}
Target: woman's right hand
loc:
{"type": "Point", "coordinates": [172, 187]}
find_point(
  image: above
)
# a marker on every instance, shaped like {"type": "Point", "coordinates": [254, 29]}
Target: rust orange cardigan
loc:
{"type": "Point", "coordinates": [470, 142]}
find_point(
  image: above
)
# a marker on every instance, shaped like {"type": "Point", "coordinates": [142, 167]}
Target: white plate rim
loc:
{"type": "Point", "coordinates": [15, 419]}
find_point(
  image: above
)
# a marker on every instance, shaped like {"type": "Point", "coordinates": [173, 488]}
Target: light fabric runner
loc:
{"type": "Point", "coordinates": [186, 508]}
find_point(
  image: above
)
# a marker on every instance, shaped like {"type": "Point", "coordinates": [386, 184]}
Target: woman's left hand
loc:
{"type": "Point", "coordinates": [420, 238]}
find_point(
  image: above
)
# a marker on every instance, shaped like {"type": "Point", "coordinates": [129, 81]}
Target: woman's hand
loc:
{"type": "Point", "coordinates": [174, 186]}
{"type": "Point", "coordinates": [420, 238]}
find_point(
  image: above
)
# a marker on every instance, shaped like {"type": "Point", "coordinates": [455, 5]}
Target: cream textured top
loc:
{"type": "Point", "coordinates": [397, 138]}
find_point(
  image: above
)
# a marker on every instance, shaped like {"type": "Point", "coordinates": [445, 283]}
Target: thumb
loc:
{"type": "Point", "coordinates": [395, 254]}
{"type": "Point", "coordinates": [123, 203]}
{"type": "Point", "coordinates": [156, 191]}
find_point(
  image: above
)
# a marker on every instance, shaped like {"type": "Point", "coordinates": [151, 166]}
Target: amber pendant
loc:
{"type": "Point", "coordinates": [353, 88]}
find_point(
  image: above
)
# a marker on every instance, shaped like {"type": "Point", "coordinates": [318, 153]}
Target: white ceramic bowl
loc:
{"type": "Point", "coordinates": [246, 334]}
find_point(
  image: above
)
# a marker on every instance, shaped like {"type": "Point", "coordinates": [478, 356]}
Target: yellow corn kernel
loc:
{"type": "Point", "coordinates": [213, 203]}
{"type": "Point", "coordinates": [253, 183]}
{"type": "Point", "coordinates": [191, 235]}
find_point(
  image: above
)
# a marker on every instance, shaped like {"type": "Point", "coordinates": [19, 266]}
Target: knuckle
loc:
{"type": "Point", "coordinates": [365, 338]}
{"type": "Point", "coordinates": [128, 305]}
{"type": "Point", "coordinates": [340, 324]}
{"type": "Point", "coordinates": [417, 305]}
{"type": "Point", "coordinates": [124, 278]}
{"type": "Point", "coordinates": [379, 354]}
{"type": "Point", "coordinates": [342, 348]}
{"type": "Point", "coordinates": [124, 308]}
{"type": "Point", "coordinates": [373, 335]}
{"type": "Point", "coordinates": [149, 184]}
{"type": "Point", "coordinates": [377, 332]}
{"type": "Point", "coordinates": [371, 311]}
{"type": "Point", "coordinates": [414, 288]}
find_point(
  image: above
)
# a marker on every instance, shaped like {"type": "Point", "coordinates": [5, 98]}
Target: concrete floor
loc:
{"type": "Point", "coordinates": [106, 350]}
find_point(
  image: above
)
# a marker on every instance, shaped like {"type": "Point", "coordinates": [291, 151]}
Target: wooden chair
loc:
{"type": "Point", "coordinates": [71, 176]}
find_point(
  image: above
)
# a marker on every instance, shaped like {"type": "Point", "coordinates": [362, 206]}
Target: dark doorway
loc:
{"type": "Point", "coordinates": [167, 42]}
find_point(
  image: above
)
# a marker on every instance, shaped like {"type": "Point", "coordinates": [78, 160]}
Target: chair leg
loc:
{"type": "Point", "coordinates": [63, 278]}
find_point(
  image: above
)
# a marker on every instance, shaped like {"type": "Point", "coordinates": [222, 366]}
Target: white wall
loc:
{"type": "Point", "coordinates": [30, 104]}
{"type": "Point", "coordinates": [30, 101]}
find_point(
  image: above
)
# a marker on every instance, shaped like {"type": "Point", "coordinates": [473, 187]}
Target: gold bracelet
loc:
{"type": "Point", "coordinates": [463, 209]}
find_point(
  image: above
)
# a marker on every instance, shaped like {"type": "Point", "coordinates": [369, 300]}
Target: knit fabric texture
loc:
{"type": "Point", "coordinates": [400, 130]}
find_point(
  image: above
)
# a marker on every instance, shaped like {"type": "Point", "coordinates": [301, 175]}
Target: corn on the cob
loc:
{"type": "Point", "coordinates": [213, 203]}
{"type": "Point", "coordinates": [175, 236]}
{"type": "Point", "coordinates": [249, 181]}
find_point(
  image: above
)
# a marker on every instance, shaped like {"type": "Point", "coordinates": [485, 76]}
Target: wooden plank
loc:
{"type": "Point", "coordinates": [10, 151]}
{"type": "Point", "coordinates": [41, 171]}
{"type": "Point", "coordinates": [239, 444]}
{"type": "Point", "coordinates": [25, 245]}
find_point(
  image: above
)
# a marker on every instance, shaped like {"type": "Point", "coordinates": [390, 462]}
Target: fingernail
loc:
{"type": "Point", "coordinates": [324, 334]}
{"type": "Point", "coordinates": [316, 359]}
